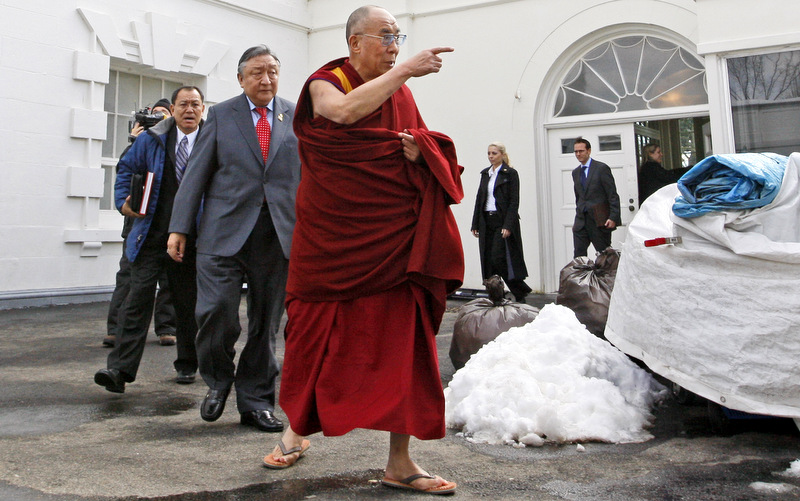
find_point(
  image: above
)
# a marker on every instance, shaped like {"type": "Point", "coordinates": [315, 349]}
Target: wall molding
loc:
{"type": "Point", "coordinates": [10, 300]}
{"type": "Point", "coordinates": [158, 43]}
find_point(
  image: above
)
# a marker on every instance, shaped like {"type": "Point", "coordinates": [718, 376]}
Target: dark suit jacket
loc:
{"type": "Point", "coordinates": [600, 188]}
{"type": "Point", "coordinates": [227, 172]}
{"type": "Point", "coordinates": [506, 198]}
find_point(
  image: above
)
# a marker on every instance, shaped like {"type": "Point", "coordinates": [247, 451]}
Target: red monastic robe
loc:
{"type": "Point", "coordinates": [375, 251]}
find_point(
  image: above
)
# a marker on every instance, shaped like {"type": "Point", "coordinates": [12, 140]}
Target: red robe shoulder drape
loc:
{"type": "Point", "coordinates": [368, 219]}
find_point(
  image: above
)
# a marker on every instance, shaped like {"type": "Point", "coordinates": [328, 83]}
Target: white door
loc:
{"type": "Point", "coordinates": [612, 144]}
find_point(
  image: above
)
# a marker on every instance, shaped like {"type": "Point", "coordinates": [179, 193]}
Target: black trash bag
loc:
{"type": "Point", "coordinates": [585, 288]}
{"type": "Point", "coordinates": [482, 320]}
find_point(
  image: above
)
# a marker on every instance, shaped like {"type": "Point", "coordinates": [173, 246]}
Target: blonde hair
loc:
{"type": "Point", "coordinates": [648, 150]}
{"type": "Point", "coordinates": [502, 149]}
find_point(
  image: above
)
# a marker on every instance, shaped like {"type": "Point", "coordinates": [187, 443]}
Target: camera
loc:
{"type": "Point", "coordinates": [146, 118]}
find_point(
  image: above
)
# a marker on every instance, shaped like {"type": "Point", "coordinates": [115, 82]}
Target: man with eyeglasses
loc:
{"type": "Point", "coordinates": [160, 153]}
{"type": "Point", "coordinates": [375, 252]}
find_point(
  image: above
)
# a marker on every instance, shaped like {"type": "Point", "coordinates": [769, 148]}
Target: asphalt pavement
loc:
{"type": "Point", "coordinates": [64, 438]}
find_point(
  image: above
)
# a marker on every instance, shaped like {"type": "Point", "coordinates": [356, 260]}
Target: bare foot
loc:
{"type": "Point", "coordinates": [401, 473]}
{"type": "Point", "coordinates": [294, 446]}
{"type": "Point", "coordinates": [288, 459]}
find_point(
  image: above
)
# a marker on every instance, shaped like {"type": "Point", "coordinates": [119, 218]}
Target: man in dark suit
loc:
{"type": "Point", "coordinates": [162, 151]}
{"type": "Point", "coordinates": [164, 314]}
{"type": "Point", "coordinates": [596, 202]}
{"type": "Point", "coordinates": [246, 170]}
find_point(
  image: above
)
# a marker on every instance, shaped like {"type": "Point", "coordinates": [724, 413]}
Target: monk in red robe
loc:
{"type": "Point", "coordinates": [375, 252]}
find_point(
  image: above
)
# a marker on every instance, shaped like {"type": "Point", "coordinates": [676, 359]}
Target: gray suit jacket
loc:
{"type": "Point", "coordinates": [600, 187]}
{"type": "Point", "coordinates": [226, 172]}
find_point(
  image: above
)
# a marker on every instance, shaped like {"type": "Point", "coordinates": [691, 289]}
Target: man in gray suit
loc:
{"type": "Point", "coordinates": [596, 202]}
{"type": "Point", "coordinates": [245, 168]}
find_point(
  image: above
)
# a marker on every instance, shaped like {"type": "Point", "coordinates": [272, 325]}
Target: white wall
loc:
{"type": "Point", "coordinates": [736, 25]}
{"type": "Point", "coordinates": [53, 71]}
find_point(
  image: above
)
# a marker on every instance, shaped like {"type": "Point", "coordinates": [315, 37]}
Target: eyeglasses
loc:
{"type": "Point", "coordinates": [387, 39]}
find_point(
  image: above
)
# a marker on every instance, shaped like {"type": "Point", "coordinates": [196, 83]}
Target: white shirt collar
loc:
{"type": "Point", "coordinates": [253, 107]}
{"type": "Point", "coordinates": [190, 138]}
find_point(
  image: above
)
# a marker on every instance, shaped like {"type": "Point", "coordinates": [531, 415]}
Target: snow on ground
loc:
{"type": "Point", "coordinates": [551, 381]}
{"type": "Point", "coordinates": [770, 488]}
{"type": "Point", "coordinates": [794, 469]}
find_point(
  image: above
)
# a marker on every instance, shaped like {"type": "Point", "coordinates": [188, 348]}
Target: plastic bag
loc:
{"type": "Point", "coordinates": [482, 320]}
{"type": "Point", "coordinates": [585, 288]}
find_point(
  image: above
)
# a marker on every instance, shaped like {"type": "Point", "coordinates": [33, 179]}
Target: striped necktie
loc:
{"type": "Point", "coordinates": [181, 157]}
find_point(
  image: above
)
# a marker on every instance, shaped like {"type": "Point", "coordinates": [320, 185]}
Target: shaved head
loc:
{"type": "Point", "coordinates": [356, 20]}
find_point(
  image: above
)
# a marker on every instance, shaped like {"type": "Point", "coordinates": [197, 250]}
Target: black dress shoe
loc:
{"type": "Point", "coordinates": [185, 377]}
{"type": "Point", "coordinates": [111, 379]}
{"type": "Point", "coordinates": [263, 420]}
{"type": "Point", "coordinates": [214, 403]}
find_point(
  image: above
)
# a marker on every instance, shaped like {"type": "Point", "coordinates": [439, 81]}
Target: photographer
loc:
{"type": "Point", "coordinates": [164, 315]}
{"type": "Point", "coordinates": [146, 118]}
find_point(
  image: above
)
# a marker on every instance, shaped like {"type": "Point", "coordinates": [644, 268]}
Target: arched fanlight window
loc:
{"type": "Point", "coordinates": [632, 73]}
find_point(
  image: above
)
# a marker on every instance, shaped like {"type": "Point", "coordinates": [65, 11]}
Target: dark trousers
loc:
{"type": "Point", "coordinates": [137, 309]}
{"type": "Point", "coordinates": [262, 265]}
{"type": "Point", "coordinates": [164, 315]}
{"type": "Point", "coordinates": [497, 258]}
{"type": "Point", "coordinates": [590, 233]}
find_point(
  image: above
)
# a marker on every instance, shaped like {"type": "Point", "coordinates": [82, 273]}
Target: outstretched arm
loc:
{"type": "Point", "coordinates": [348, 108]}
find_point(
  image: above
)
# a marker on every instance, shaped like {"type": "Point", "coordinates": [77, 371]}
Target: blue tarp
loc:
{"type": "Point", "coordinates": [730, 182]}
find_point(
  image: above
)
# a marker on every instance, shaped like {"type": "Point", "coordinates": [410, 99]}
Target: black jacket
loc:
{"type": "Point", "coordinates": [506, 195]}
{"type": "Point", "coordinates": [600, 188]}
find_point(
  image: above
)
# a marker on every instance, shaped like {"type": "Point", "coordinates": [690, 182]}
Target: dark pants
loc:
{"type": "Point", "coordinates": [262, 265]}
{"type": "Point", "coordinates": [497, 258]}
{"type": "Point", "coordinates": [137, 309]}
{"type": "Point", "coordinates": [590, 233]}
{"type": "Point", "coordinates": [164, 316]}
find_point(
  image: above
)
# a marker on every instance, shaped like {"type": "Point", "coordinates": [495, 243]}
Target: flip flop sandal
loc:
{"type": "Point", "coordinates": [447, 488]}
{"type": "Point", "coordinates": [270, 461]}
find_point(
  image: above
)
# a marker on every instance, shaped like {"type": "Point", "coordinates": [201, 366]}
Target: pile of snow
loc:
{"type": "Point", "coordinates": [551, 381]}
{"type": "Point", "coordinates": [794, 469]}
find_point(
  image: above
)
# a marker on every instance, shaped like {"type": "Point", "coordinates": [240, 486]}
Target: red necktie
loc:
{"type": "Point", "coordinates": [263, 131]}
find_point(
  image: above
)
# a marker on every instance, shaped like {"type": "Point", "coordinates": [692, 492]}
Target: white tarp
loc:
{"type": "Point", "coordinates": [719, 313]}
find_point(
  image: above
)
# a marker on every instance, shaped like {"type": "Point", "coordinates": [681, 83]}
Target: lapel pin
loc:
{"type": "Point", "coordinates": [280, 117]}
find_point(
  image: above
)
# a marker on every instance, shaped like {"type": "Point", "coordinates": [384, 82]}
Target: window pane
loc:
{"type": "Point", "coordinates": [151, 91]}
{"type": "Point", "coordinates": [629, 74]}
{"type": "Point", "coordinates": [110, 103]}
{"type": "Point", "coordinates": [652, 63]}
{"type": "Point", "coordinates": [609, 143]}
{"type": "Point", "coordinates": [169, 88]}
{"type": "Point", "coordinates": [688, 93]}
{"type": "Point", "coordinates": [108, 144]}
{"type": "Point", "coordinates": [765, 102]}
{"type": "Point", "coordinates": [121, 140]}
{"type": "Point", "coordinates": [128, 93]}
{"type": "Point", "coordinates": [568, 146]}
{"type": "Point", "coordinates": [107, 202]}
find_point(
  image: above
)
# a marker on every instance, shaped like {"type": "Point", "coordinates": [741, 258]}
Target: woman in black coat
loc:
{"type": "Point", "coordinates": [496, 223]}
{"type": "Point", "coordinates": [652, 175]}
